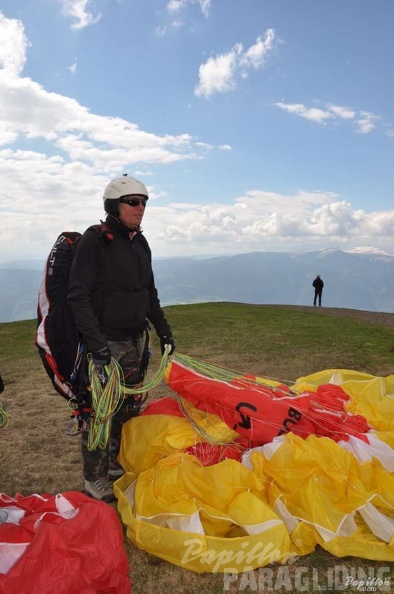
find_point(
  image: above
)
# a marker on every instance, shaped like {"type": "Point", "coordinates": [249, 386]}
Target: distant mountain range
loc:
{"type": "Point", "coordinates": [360, 278]}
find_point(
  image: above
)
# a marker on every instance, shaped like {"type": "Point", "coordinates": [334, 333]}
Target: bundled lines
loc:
{"type": "Point", "coordinates": [152, 382]}
{"type": "Point", "coordinates": [215, 434]}
{"type": "Point", "coordinates": [214, 439]}
{"type": "Point", "coordinates": [208, 369]}
{"type": "Point", "coordinates": [107, 395]}
{"type": "Point", "coordinates": [211, 371]}
{"type": "Point", "coordinates": [108, 391]}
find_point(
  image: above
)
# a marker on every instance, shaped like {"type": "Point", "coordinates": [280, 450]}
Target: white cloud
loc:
{"type": "Point", "coordinates": [262, 220]}
{"type": "Point", "coordinates": [254, 57]}
{"type": "Point", "coordinates": [105, 143]}
{"type": "Point", "coordinates": [218, 73]}
{"type": "Point", "coordinates": [205, 6]}
{"type": "Point", "coordinates": [173, 26]}
{"type": "Point", "coordinates": [366, 122]}
{"type": "Point", "coordinates": [73, 67]}
{"type": "Point", "coordinates": [309, 113]}
{"type": "Point", "coordinates": [13, 44]}
{"type": "Point", "coordinates": [176, 6]}
{"type": "Point", "coordinates": [363, 121]}
{"type": "Point", "coordinates": [257, 220]}
{"type": "Point", "coordinates": [60, 185]}
{"type": "Point", "coordinates": [7, 137]}
{"type": "Point", "coordinates": [343, 112]}
{"type": "Point", "coordinates": [77, 9]}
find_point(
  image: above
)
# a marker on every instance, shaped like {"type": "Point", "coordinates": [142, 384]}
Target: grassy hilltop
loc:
{"type": "Point", "coordinates": [280, 342]}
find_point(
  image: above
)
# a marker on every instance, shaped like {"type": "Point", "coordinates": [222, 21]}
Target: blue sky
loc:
{"type": "Point", "coordinates": [257, 125]}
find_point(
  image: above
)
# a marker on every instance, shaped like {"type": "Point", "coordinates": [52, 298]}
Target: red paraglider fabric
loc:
{"type": "Point", "coordinates": [261, 412]}
{"type": "Point", "coordinates": [61, 544]}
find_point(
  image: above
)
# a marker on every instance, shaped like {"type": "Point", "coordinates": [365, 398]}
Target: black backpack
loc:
{"type": "Point", "coordinates": [57, 337]}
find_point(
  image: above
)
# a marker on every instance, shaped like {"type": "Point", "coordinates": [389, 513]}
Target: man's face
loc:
{"type": "Point", "coordinates": [131, 211]}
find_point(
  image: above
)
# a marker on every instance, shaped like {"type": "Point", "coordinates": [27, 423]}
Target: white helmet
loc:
{"type": "Point", "coordinates": [124, 186]}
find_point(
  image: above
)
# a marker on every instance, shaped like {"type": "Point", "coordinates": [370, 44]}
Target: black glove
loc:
{"type": "Point", "coordinates": [83, 417]}
{"type": "Point", "coordinates": [164, 340]}
{"type": "Point", "coordinates": [102, 356]}
{"type": "Point", "coordinates": [79, 421]}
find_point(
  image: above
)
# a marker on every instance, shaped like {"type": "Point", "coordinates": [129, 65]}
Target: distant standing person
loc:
{"type": "Point", "coordinates": [318, 286]}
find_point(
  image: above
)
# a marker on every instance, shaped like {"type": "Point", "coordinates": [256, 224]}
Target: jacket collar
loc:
{"type": "Point", "coordinates": [118, 227]}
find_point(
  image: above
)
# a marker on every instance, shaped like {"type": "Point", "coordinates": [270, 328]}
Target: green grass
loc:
{"type": "Point", "coordinates": [236, 331]}
{"type": "Point", "coordinates": [282, 342]}
{"type": "Point", "coordinates": [17, 340]}
{"type": "Point", "coordinates": [304, 338]}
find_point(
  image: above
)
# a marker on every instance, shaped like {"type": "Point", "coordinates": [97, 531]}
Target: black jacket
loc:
{"type": "Point", "coordinates": [318, 284]}
{"type": "Point", "coordinates": [112, 290]}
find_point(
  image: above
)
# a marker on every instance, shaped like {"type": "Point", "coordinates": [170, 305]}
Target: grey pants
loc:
{"type": "Point", "coordinates": [97, 463]}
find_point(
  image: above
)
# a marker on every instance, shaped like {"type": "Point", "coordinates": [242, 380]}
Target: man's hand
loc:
{"type": "Point", "coordinates": [167, 340]}
{"type": "Point", "coordinates": [102, 356]}
{"type": "Point", "coordinates": [79, 420]}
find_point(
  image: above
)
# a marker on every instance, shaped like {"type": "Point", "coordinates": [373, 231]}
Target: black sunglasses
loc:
{"type": "Point", "coordinates": [133, 201]}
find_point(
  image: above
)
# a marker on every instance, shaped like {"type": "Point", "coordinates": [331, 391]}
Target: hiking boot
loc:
{"type": "Point", "coordinates": [100, 489]}
{"type": "Point", "coordinates": [115, 473]}
{"type": "Point", "coordinates": [115, 470]}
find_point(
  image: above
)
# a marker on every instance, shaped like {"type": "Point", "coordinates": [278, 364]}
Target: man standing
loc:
{"type": "Point", "coordinates": [113, 296]}
{"type": "Point", "coordinates": [318, 286]}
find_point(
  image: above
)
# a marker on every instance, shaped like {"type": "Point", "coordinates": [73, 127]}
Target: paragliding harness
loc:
{"type": "Point", "coordinates": [59, 343]}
